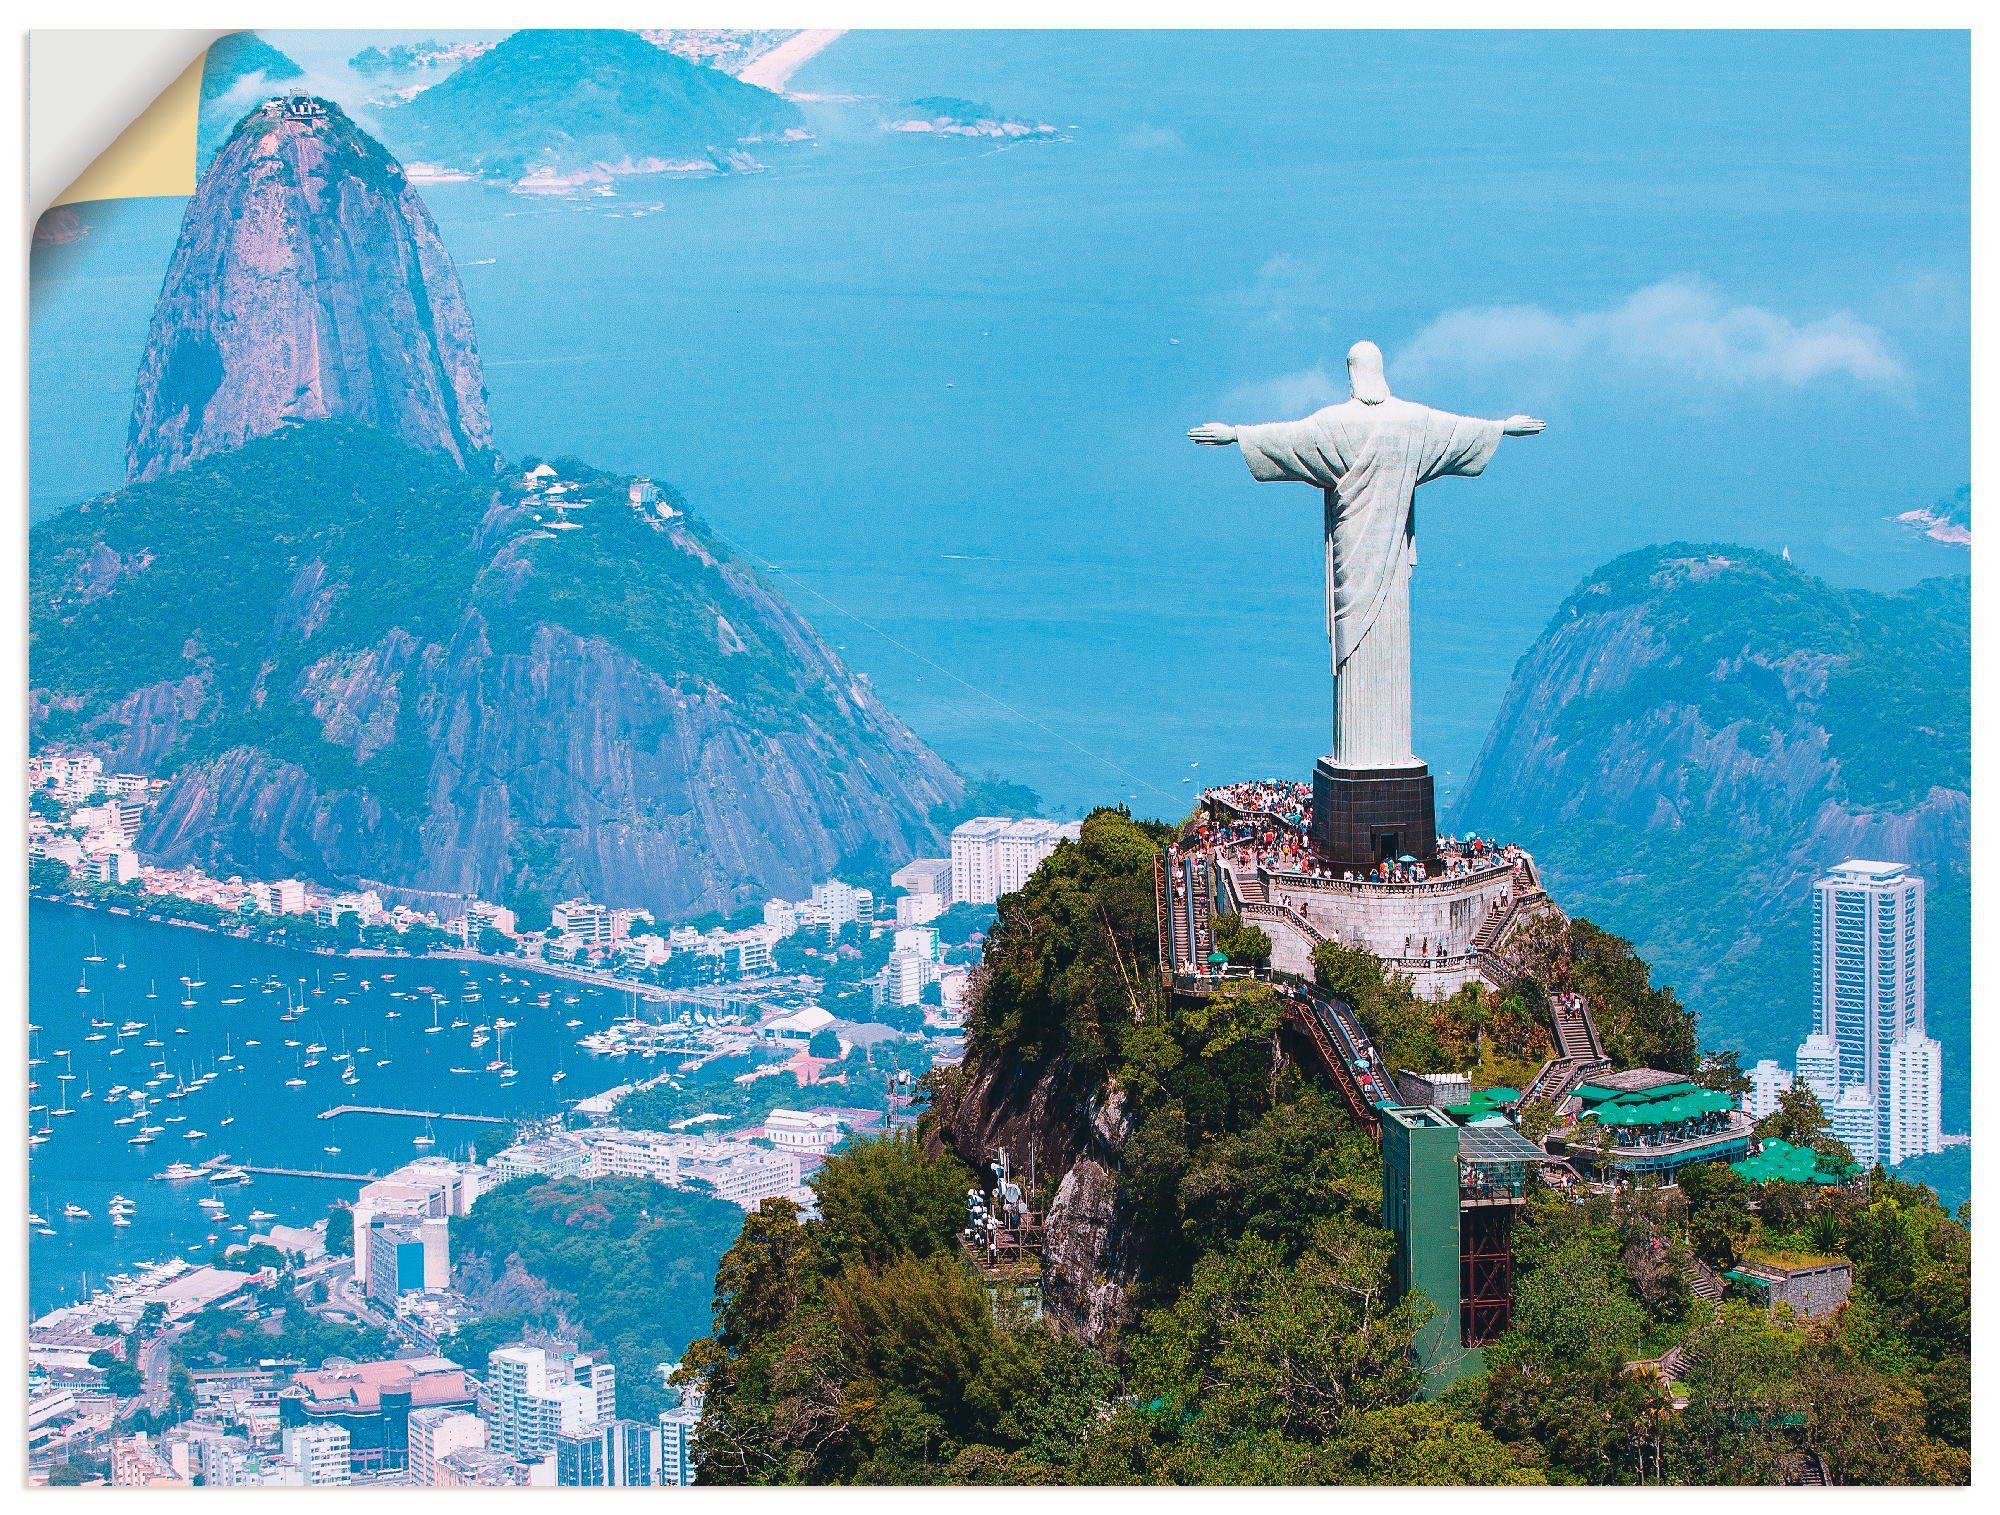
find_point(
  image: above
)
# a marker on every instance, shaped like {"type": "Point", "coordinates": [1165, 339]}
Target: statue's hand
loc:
{"type": "Point", "coordinates": [1522, 426]}
{"type": "Point", "coordinates": [1212, 434]}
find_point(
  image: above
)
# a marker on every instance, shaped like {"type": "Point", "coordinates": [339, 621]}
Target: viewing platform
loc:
{"type": "Point", "coordinates": [1249, 852]}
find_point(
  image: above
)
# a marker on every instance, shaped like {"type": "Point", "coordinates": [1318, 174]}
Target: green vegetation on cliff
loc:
{"type": "Point", "coordinates": [1263, 1345]}
{"type": "Point", "coordinates": [355, 659]}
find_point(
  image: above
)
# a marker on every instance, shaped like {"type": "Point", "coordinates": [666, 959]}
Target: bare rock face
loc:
{"type": "Point", "coordinates": [308, 283]}
{"type": "Point", "coordinates": [1071, 1136]}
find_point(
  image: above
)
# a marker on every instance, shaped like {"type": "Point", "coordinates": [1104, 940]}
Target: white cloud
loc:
{"type": "Point", "coordinates": [1153, 138]}
{"type": "Point", "coordinates": [1679, 329]}
{"type": "Point", "coordinates": [1291, 293]}
{"type": "Point", "coordinates": [1286, 397]}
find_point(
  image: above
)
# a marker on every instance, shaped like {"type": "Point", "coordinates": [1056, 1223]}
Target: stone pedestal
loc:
{"type": "Point", "coordinates": [1363, 815]}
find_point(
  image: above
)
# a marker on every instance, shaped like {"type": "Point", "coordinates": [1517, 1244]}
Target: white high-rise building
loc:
{"type": "Point", "coordinates": [436, 1431]}
{"type": "Point", "coordinates": [1868, 971]}
{"type": "Point", "coordinates": [1768, 1080]}
{"type": "Point", "coordinates": [532, 1398]}
{"type": "Point", "coordinates": [992, 856]}
{"type": "Point", "coordinates": [1819, 1067]}
{"type": "Point", "coordinates": [1868, 963]}
{"type": "Point", "coordinates": [1857, 1123]}
{"type": "Point", "coordinates": [1913, 1121]}
{"type": "Point", "coordinates": [319, 1453]}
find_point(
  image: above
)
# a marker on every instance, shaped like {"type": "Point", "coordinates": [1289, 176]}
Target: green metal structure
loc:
{"type": "Point", "coordinates": [1420, 1207]}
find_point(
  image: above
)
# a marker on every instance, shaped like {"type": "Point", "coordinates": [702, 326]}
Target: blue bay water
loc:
{"type": "Point", "coordinates": [939, 387]}
{"type": "Point", "coordinates": [248, 1113]}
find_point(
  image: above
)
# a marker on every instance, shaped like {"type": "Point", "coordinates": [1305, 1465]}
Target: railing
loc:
{"type": "Point", "coordinates": [1361, 888]}
{"type": "Point", "coordinates": [1334, 1040]}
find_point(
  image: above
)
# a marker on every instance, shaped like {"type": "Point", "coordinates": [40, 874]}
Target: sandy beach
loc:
{"type": "Point", "coordinates": [775, 68]}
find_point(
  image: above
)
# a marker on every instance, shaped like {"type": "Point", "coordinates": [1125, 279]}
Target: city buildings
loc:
{"type": "Point", "coordinates": [992, 856]}
{"type": "Point", "coordinates": [319, 1452]}
{"type": "Point", "coordinates": [609, 1454]}
{"type": "Point", "coordinates": [372, 1402]}
{"type": "Point", "coordinates": [436, 1433]}
{"type": "Point", "coordinates": [406, 1254]}
{"type": "Point", "coordinates": [1768, 1080]}
{"type": "Point", "coordinates": [1913, 1120]}
{"type": "Point", "coordinates": [1884, 1073]}
{"type": "Point", "coordinates": [429, 1187]}
{"type": "Point", "coordinates": [532, 1397]}
{"type": "Point", "coordinates": [677, 1431]}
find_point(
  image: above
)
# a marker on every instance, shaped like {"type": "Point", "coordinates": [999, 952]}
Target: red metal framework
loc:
{"type": "Point", "coordinates": [1485, 1271]}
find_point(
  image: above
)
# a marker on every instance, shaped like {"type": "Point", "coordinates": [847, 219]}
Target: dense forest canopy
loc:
{"type": "Point", "coordinates": [861, 1346]}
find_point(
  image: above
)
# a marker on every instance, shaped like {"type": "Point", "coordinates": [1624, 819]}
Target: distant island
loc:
{"type": "Point", "coordinates": [948, 116]}
{"type": "Point", "coordinates": [1947, 521]}
{"type": "Point", "coordinates": [558, 111]}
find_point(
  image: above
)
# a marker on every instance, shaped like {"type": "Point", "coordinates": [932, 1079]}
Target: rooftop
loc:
{"type": "Point", "coordinates": [359, 1386]}
{"type": "Point", "coordinates": [1632, 1080]}
{"type": "Point", "coordinates": [1484, 1145]}
{"type": "Point", "coordinates": [1861, 867]}
{"type": "Point", "coordinates": [1786, 1260]}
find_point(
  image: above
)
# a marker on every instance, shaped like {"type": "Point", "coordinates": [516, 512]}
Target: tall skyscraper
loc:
{"type": "Point", "coordinates": [1868, 972]}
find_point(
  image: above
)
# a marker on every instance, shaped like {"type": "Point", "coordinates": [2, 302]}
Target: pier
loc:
{"type": "Point", "coordinates": [489, 1120]}
{"type": "Point", "coordinates": [347, 1178]}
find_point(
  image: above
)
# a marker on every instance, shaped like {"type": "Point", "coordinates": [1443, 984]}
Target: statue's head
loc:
{"type": "Point", "coordinates": [1364, 373]}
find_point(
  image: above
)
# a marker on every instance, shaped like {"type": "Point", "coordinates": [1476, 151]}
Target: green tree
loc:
{"type": "Point", "coordinates": [824, 1043]}
{"type": "Point", "coordinates": [1719, 1214]}
{"type": "Point", "coordinates": [1244, 944]}
{"type": "Point", "coordinates": [1415, 1444]}
{"type": "Point", "coordinates": [883, 1199]}
{"type": "Point", "coordinates": [340, 1230]}
{"type": "Point", "coordinates": [1571, 1300]}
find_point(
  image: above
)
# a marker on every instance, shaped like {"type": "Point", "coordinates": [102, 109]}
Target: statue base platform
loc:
{"type": "Point", "coordinates": [1362, 816]}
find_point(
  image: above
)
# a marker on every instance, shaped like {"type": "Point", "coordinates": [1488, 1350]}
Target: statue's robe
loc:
{"type": "Point", "coordinates": [1369, 459]}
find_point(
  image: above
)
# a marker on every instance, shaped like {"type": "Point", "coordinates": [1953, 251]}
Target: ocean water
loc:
{"type": "Point", "coordinates": [248, 1112]}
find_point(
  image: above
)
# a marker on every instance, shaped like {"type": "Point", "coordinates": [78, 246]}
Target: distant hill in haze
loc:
{"type": "Point", "coordinates": [1700, 731]}
{"type": "Point", "coordinates": [239, 70]}
{"type": "Point", "coordinates": [577, 102]}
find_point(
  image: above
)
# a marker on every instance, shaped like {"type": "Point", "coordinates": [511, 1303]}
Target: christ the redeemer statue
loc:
{"type": "Point", "coordinates": [1369, 455]}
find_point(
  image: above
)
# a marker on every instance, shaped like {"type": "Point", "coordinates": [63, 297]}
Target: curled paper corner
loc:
{"type": "Point", "coordinates": [86, 142]}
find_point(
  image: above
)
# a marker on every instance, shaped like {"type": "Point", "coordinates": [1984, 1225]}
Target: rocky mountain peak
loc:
{"type": "Point", "coordinates": [308, 283]}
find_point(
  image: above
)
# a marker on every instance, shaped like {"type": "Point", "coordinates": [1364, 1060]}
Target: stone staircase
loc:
{"type": "Point", "coordinates": [1576, 1033]}
{"type": "Point", "coordinates": [1706, 1283]}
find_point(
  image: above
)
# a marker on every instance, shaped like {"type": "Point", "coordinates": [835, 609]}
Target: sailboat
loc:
{"type": "Point", "coordinates": [94, 956]}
